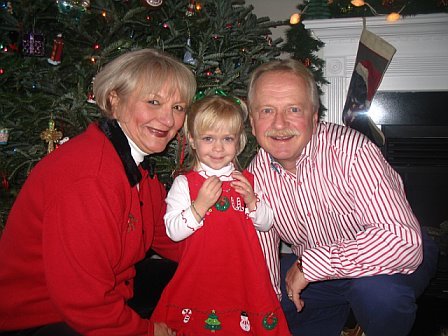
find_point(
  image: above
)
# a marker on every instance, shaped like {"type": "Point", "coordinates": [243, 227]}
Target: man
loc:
{"type": "Point", "coordinates": [340, 206]}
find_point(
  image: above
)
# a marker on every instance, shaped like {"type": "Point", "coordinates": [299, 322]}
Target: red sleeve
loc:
{"type": "Point", "coordinates": [85, 266]}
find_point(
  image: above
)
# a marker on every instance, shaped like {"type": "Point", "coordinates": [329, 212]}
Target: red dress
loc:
{"type": "Point", "coordinates": [222, 284]}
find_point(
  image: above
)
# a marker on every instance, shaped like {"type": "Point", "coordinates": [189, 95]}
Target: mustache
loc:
{"type": "Point", "coordinates": [281, 133]}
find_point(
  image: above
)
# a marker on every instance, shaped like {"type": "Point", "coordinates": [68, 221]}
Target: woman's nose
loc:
{"type": "Point", "coordinates": [166, 117]}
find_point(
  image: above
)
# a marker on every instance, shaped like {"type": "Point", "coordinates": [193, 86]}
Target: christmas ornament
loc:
{"type": "Point", "coordinates": [151, 3]}
{"type": "Point", "coordinates": [7, 5]}
{"type": "Point", "coordinates": [190, 8]}
{"type": "Point", "coordinates": [51, 135]}
{"type": "Point", "coordinates": [245, 323]}
{"type": "Point", "coordinates": [4, 136]}
{"type": "Point", "coordinates": [56, 53]}
{"type": "Point", "coordinates": [188, 57]}
{"type": "Point", "coordinates": [212, 323]}
{"type": "Point", "coordinates": [5, 182]}
{"type": "Point", "coordinates": [72, 6]}
{"type": "Point", "coordinates": [270, 321]}
{"type": "Point", "coordinates": [90, 95]}
{"type": "Point", "coordinates": [33, 44]}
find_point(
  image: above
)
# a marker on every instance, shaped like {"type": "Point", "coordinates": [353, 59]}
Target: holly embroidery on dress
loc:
{"type": "Point", "coordinates": [222, 204]}
{"type": "Point", "coordinates": [270, 321]}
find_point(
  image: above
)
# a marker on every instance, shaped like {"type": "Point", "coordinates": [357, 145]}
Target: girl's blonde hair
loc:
{"type": "Point", "coordinates": [215, 112]}
{"type": "Point", "coordinates": [145, 71]}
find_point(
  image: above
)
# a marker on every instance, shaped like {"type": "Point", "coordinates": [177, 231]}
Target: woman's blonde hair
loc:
{"type": "Point", "coordinates": [145, 70]}
{"type": "Point", "coordinates": [215, 113]}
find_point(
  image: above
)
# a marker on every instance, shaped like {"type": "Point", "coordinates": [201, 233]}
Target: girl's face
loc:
{"type": "Point", "coordinates": [216, 147]}
{"type": "Point", "coordinates": [152, 121]}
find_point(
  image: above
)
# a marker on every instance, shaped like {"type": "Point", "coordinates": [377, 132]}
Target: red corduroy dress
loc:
{"type": "Point", "coordinates": [222, 284]}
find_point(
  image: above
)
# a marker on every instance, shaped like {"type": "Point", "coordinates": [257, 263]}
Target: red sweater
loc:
{"type": "Point", "coordinates": [73, 237]}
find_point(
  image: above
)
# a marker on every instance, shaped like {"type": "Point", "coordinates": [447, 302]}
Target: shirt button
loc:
{"type": "Point", "coordinates": [126, 282]}
{"type": "Point", "coordinates": [308, 214]}
{"type": "Point", "coordinates": [141, 203]}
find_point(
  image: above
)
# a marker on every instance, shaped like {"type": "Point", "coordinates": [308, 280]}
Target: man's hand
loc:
{"type": "Point", "coordinates": [295, 283]}
{"type": "Point", "coordinates": [161, 329]}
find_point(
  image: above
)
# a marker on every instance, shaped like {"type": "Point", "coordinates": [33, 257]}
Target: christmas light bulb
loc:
{"type": "Point", "coordinates": [393, 17]}
{"type": "Point", "coordinates": [357, 3]}
{"type": "Point", "coordinates": [295, 18]}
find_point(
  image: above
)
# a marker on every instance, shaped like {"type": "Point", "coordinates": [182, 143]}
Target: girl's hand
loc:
{"type": "Point", "coordinates": [208, 195]}
{"type": "Point", "coordinates": [243, 187]}
{"type": "Point", "coordinates": [161, 329]}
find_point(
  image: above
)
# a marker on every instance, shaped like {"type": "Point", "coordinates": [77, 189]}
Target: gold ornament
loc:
{"type": "Point", "coordinates": [51, 135]}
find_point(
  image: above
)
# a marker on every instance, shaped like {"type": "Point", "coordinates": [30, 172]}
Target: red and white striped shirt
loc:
{"type": "Point", "coordinates": [345, 211]}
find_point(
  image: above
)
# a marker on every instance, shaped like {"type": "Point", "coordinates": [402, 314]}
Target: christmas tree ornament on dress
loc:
{"type": "Point", "coordinates": [33, 44]}
{"type": "Point", "coordinates": [56, 52]}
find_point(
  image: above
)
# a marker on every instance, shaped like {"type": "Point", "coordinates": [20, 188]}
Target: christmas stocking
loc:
{"type": "Point", "coordinates": [373, 58]}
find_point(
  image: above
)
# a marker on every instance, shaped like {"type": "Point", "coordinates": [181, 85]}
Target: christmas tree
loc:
{"type": "Point", "coordinates": [212, 323]}
{"type": "Point", "coordinates": [51, 51]}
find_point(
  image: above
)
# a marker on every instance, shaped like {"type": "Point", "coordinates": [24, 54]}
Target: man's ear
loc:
{"type": "Point", "coordinates": [251, 120]}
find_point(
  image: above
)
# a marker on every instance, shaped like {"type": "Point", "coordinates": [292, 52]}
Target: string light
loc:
{"type": "Point", "coordinates": [394, 16]}
{"type": "Point", "coordinates": [296, 17]}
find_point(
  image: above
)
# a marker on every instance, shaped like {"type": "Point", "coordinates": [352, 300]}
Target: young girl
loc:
{"type": "Point", "coordinates": [222, 284]}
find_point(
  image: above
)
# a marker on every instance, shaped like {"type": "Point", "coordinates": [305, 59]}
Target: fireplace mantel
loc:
{"type": "Point", "coordinates": [420, 63]}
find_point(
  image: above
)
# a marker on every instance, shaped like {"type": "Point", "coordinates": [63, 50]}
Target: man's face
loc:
{"type": "Point", "coordinates": [282, 116]}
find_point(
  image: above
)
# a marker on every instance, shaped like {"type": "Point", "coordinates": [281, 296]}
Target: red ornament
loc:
{"type": "Point", "coordinates": [2, 71]}
{"type": "Point", "coordinates": [190, 8]}
{"type": "Point", "coordinates": [5, 182]}
{"type": "Point", "coordinates": [56, 53]}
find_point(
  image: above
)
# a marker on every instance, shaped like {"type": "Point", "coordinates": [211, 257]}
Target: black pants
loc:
{"type": "Point", "coordinates": [57, 329]}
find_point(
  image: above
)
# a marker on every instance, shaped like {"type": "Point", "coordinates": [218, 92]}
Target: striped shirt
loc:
{"type": "Point", "coordinates": [344, 213]}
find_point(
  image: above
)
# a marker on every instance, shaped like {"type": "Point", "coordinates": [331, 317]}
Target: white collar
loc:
{"type": "Point", "coordinates": [224, 173]}
{"type": "Point", "coordinates": [137, 154]}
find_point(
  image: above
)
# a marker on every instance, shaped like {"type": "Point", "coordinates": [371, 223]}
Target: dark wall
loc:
{"type": "Point", "coordinates": [415, 125]}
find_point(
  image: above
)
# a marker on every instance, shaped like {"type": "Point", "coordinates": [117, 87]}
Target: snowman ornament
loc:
{"type": "Point", "coordinates": [245, 323]}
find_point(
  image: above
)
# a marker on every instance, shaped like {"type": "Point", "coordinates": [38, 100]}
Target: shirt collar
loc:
{"type": "Point", "coordinates": [224, 173]}
{"type": "Point", "coordinates": [137, 154]}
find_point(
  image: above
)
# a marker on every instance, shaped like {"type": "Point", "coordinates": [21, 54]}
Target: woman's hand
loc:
{"type": "Point", "coordinates": [161, 329]}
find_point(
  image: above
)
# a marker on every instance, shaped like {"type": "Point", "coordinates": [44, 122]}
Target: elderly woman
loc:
{"type": "Point", "coordinates": [89, 210]}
